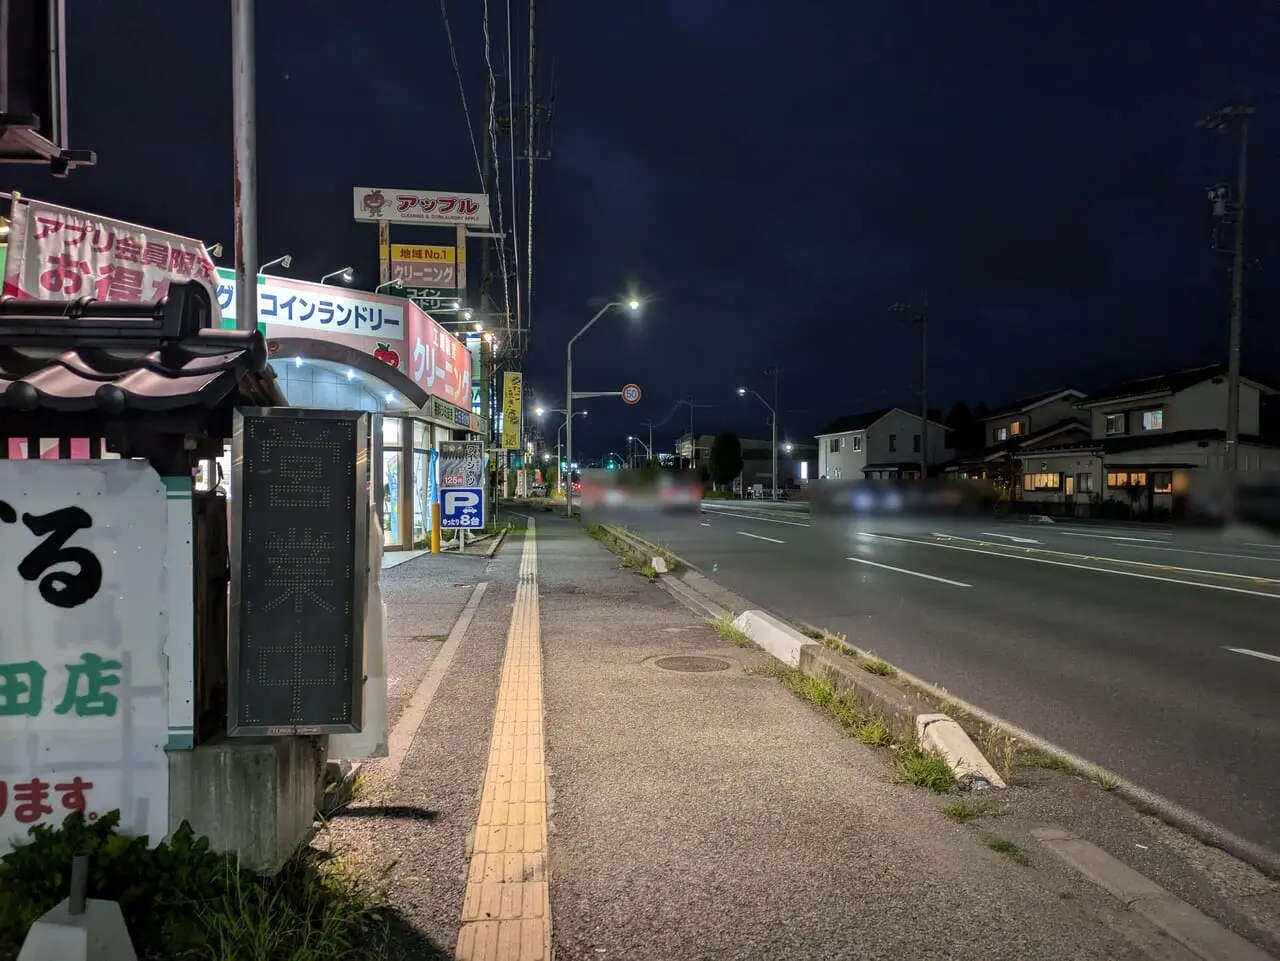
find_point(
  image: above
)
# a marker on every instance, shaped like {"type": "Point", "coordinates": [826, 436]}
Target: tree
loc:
{"type": "Point", "coordinates": [965, 429]}
{"type": "Point", "coordinates": [725, 461]}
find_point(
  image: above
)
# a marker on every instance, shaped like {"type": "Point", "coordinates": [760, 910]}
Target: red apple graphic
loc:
{"type": "Point", "coordinates": [273, 347]}
{"type": "Point", "coordinates": [388, 356]}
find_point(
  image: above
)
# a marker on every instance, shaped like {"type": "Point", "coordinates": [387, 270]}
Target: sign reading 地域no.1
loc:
{"type": "Point", "coordinates": [83, 684]}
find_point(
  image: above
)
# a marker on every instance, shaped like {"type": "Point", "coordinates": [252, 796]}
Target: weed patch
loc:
{"type": "Point", "coordinates": [879, 668]}
{"type": "Point", "coordinates": [1107, 782]}
{"type": "Point", "coordinates": [925, 769]}
{"type": "Point", "coordinates": [724, 627]}
{"type": "Point", "coordinates": [963, 812]}
{"type": "Point", "coordinates": [181, 899]}
{"type": "Point", "coordinates": [1009, 850]}
{"type": "Point", "coordinates": [873, 731]}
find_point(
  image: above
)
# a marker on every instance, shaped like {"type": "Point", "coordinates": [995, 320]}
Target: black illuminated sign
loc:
{"type": "Point", "coordinates": [299, 565]}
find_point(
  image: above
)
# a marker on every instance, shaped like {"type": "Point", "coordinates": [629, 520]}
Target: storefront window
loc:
{"type": "Point", "coordinates": [391, 431]}
{"type": "Point", "coordinates": [421, 512]}
{"type": "Point", "coordinates": [421, 440]}
{"type": "Point", "coordinates": [392, 476]}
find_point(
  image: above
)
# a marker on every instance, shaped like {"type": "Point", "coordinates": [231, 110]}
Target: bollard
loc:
{"type": "Point", "coordinates": [79, 884]}
{"type": "Point", "coordinates": [435, 528]}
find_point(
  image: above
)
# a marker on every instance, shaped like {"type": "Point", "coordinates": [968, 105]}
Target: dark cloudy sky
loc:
{"type": "Point", "coordinates": [775, 174]}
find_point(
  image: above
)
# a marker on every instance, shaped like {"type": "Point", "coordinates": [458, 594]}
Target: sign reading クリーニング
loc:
{"type": "Point", "coordinates": [439, 207]}
{"type": "Point", "coordinates": [56, 253]}
{"type": "Point", "coordinates": [83, 686]}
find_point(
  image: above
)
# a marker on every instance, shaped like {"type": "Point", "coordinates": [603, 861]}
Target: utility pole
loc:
{"type": "Point", "coordinates": [243, 96]}
{"type": "Point", "coordinates": [773, 416]}
{"type": "Point", "coordinates": [921, 316]}
{"type": "Point", "coordinates": [1222, 120]}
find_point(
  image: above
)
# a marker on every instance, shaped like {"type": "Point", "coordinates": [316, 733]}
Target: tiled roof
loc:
{"type": "Point", "coordinates": [1167, 383]}
{"type": "Point", "coordinates": [201, 371]}
{"type": "Point", "coordinates": [1024, 403]}
{"type": "Point", "coordinates": [852, 422]}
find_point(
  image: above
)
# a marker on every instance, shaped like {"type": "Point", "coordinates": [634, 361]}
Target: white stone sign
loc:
{"type": "Point", "coordinates": [83, 688]}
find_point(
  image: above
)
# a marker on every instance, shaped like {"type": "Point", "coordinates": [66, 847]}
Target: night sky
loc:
{"type": "Point", "coordinates": [774, 175]}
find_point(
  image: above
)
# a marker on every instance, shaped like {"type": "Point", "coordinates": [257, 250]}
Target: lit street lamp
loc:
{"type": "Point", "coordinates": [633, 305]}
{"type": "Point", "coordinates": [648, 451]}
{"type": "Point", "coordinates": [346, 275]}
{"type": "Point", "coordinates": [213, 250]}
{"type": "Point", "coordinates": [559, 410]}
{"type": "Point", "coordinates": [773, 417]}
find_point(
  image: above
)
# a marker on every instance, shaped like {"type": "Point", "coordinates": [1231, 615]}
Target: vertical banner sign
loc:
{"type": "Point", "coordinates": [299, 566]}
{"type": "Point", "coordinates": [84, 716]}
{"type": "Point", "coordinates": [461, 484]}
{"type": "Point", "coordinates": [512, 407]}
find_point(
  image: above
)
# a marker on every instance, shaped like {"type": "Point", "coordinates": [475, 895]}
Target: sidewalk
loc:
{"type": "Point", "coordinates": [670, 815]}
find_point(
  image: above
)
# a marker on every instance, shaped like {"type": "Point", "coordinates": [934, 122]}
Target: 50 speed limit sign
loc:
{"type": "Point", "coordinates": [631, 394]}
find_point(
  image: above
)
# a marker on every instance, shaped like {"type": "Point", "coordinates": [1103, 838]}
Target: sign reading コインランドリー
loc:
{"type": "Point", "coordinates": [83, 686]}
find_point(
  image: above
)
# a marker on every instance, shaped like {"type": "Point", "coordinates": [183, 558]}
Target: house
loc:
{"type": "Point", "coordinates": [1153, 432]}
{"type": "Point", "coordinates": [796, 462]}
{"type": "Point", "coordinates": [878, 444]}
{"type": "Point", "coordinates": [1046, 420]}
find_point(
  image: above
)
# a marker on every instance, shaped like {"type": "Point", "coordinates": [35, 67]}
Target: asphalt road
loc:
{"type": "Point", "coordinates": [1152, 654]}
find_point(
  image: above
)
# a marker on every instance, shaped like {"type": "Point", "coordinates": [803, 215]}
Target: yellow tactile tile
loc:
{"type": "Point", "coordinates": [506, 914]}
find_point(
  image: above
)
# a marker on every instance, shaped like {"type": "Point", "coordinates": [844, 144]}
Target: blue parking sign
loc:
{"type": "Point", "coordinates": [461, 508]}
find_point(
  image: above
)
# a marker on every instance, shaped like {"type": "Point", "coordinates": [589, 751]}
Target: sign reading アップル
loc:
{"type": "Point", "coordinates": [422, 207]}
{"type": "Point", "coordinates": [83, 685]}
{"type": "Point", "coordinates": [56, 253]}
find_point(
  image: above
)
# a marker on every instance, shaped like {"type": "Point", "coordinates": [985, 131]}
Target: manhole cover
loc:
{"type": "Point", "coordinates": [692, 665]}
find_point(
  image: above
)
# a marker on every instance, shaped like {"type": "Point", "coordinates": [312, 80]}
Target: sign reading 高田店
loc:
{"type": "Point", "coordinates": [83, 685]}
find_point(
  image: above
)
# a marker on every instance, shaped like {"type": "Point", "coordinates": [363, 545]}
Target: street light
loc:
{"type": "Point", "coordinates": [773, 417]}
{"type": "Point", "coordinates": [559, 410]}
{"type": "Point", "coordinates": [633, 305]}
{"type": "Point", "coordinates": [648, 450]}
{"type": "Point", "coordinates": [214, 251]}
{"type": "Point", "coordinates": [389, 283]}
{"type": "Point", "coordinates": [284, 262]}
{"type": "Point", "coordinates": [346, 275]}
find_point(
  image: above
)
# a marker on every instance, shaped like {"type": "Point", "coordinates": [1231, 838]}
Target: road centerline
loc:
{"type": "Point", "coordinates": [1261, 654]}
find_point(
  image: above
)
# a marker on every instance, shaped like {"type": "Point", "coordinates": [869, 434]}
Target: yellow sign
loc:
{"type": "Point", "coordinates": [512, 407]}
{"type": "Point", "coordinates": [425, 255]}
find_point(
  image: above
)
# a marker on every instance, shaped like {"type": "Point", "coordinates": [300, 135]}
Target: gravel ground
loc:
{"type": "Point", "coordinates": [717, 816]}
{"type": "Point", "coordinates": [421, 824]}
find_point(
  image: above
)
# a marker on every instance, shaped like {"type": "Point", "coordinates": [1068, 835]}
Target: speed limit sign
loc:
{"type": "Point", "coordinates": [631, 394]}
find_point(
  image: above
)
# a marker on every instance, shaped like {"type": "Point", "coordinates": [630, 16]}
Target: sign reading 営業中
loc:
{"type": "Point", "coordinates": [423, 207]}
{"type": "Point", "coordinates": [512, 406]}
{"type": "Point", "coordinates": [56, 253]}
{"type": "Point", "coordinates": [83, 684]}
{"type": "Point", "coordinates": [313, 307]}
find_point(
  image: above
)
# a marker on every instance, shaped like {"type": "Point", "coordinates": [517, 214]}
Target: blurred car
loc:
{"type": "Point", "coordinates": [538, 490]}
{"type": "Point", "coordinates": [679, 496]}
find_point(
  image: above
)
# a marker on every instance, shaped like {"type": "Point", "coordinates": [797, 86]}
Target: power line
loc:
{"type": "Point", "coordinates": [497, 171]}
{"type": "Point", "coordinates": [466, 111]}
{"type": "Point", "coordinates": [511, 143]}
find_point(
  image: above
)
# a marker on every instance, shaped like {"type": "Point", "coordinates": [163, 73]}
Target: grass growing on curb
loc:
{"type": "Point", "coordinates": [1009, 850]}
{"type": "Point", "coordinates": [925, 769]}
{"type": "Point", "coordinates": [879, 668]}
{"type": "Point", "coordinates": [724, 627]}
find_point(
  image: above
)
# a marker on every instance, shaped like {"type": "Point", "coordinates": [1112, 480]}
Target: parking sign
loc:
{"type": "Point", "coordinates": [461, 508]}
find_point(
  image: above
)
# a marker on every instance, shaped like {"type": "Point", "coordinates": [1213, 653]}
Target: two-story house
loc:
{"type": "Point", "coordinates": [1030, 430]}
{"type": "Point", "coordinates": [1153, 431]}
{"type": "Point", "coordinates": [878, 444]}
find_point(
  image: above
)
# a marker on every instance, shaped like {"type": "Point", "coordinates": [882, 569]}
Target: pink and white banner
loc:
{"type": "Point", "coordinates": [56, 253]}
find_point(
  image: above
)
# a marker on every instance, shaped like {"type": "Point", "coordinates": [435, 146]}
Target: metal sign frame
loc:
{"type": "Point", "coordinates": [360, 495]}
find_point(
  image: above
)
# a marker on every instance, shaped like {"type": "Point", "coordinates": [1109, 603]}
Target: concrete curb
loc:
{"type": "Point", "coordinates": [1198, 933]}
{"type": "Point", "coordinates": [888, 699]}
{"type": "Point", "coordinates": [771, 635]}
{"type": "Point", "coordinates": [497, 542]}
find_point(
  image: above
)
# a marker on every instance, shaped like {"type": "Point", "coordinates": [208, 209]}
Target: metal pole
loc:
{"type": "Point", "coordinates": [924, 391]}
{"type": "Point", "coordinates": [1232, 464]}
{"type": "Point", "coordinates": [774, 412]}
{"type": "Point", "coordinates": [568, 428]}
{"type": "Point", "coordinates": [246, 164]}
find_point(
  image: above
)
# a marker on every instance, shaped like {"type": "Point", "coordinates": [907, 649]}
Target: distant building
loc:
{"type": "Point", "coordinates": [879, 444]}
{"type": "Point", "coordinates": [796, 462]}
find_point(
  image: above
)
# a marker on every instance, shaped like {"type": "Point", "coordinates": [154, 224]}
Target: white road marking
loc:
{"type": "Point", "coordinates": [761, 537]}
{"type": "Point", "coordinates": [1082, 567]}
{"type": "Point", "coordinates": [752, 517]}
{"type": "Point", "coordinates": [1245, 650]}
{"type": "Point", "coordinates": [1114, 537]}
{"type": "Point", "coordinates": [903, 570]}
{"type": "Point", "coordinates": [1018, 540]}
{"type": "Point", "coordinates": [1186, 550]}
{"type": "Point", "coordinates": [705, 524]}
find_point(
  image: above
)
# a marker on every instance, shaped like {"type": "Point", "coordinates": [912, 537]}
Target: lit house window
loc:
{"type": "Point", "coordinates": [1042, 482]}
{"type": "Point", "coordinates": [857, 442]}
{"type": "Point", "coordinates": [1162, 482]}
{"type": "Point", "coordinates": [999, 433]}
{"type": "Point", "coordinates": [1117, 479]}
{"type": "Point", "coordinates": [1015, 428]}
{"type": "Point", "coordinates": [1153, 419]}
{"type": "Point", "coordinates": [1117, 423]}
